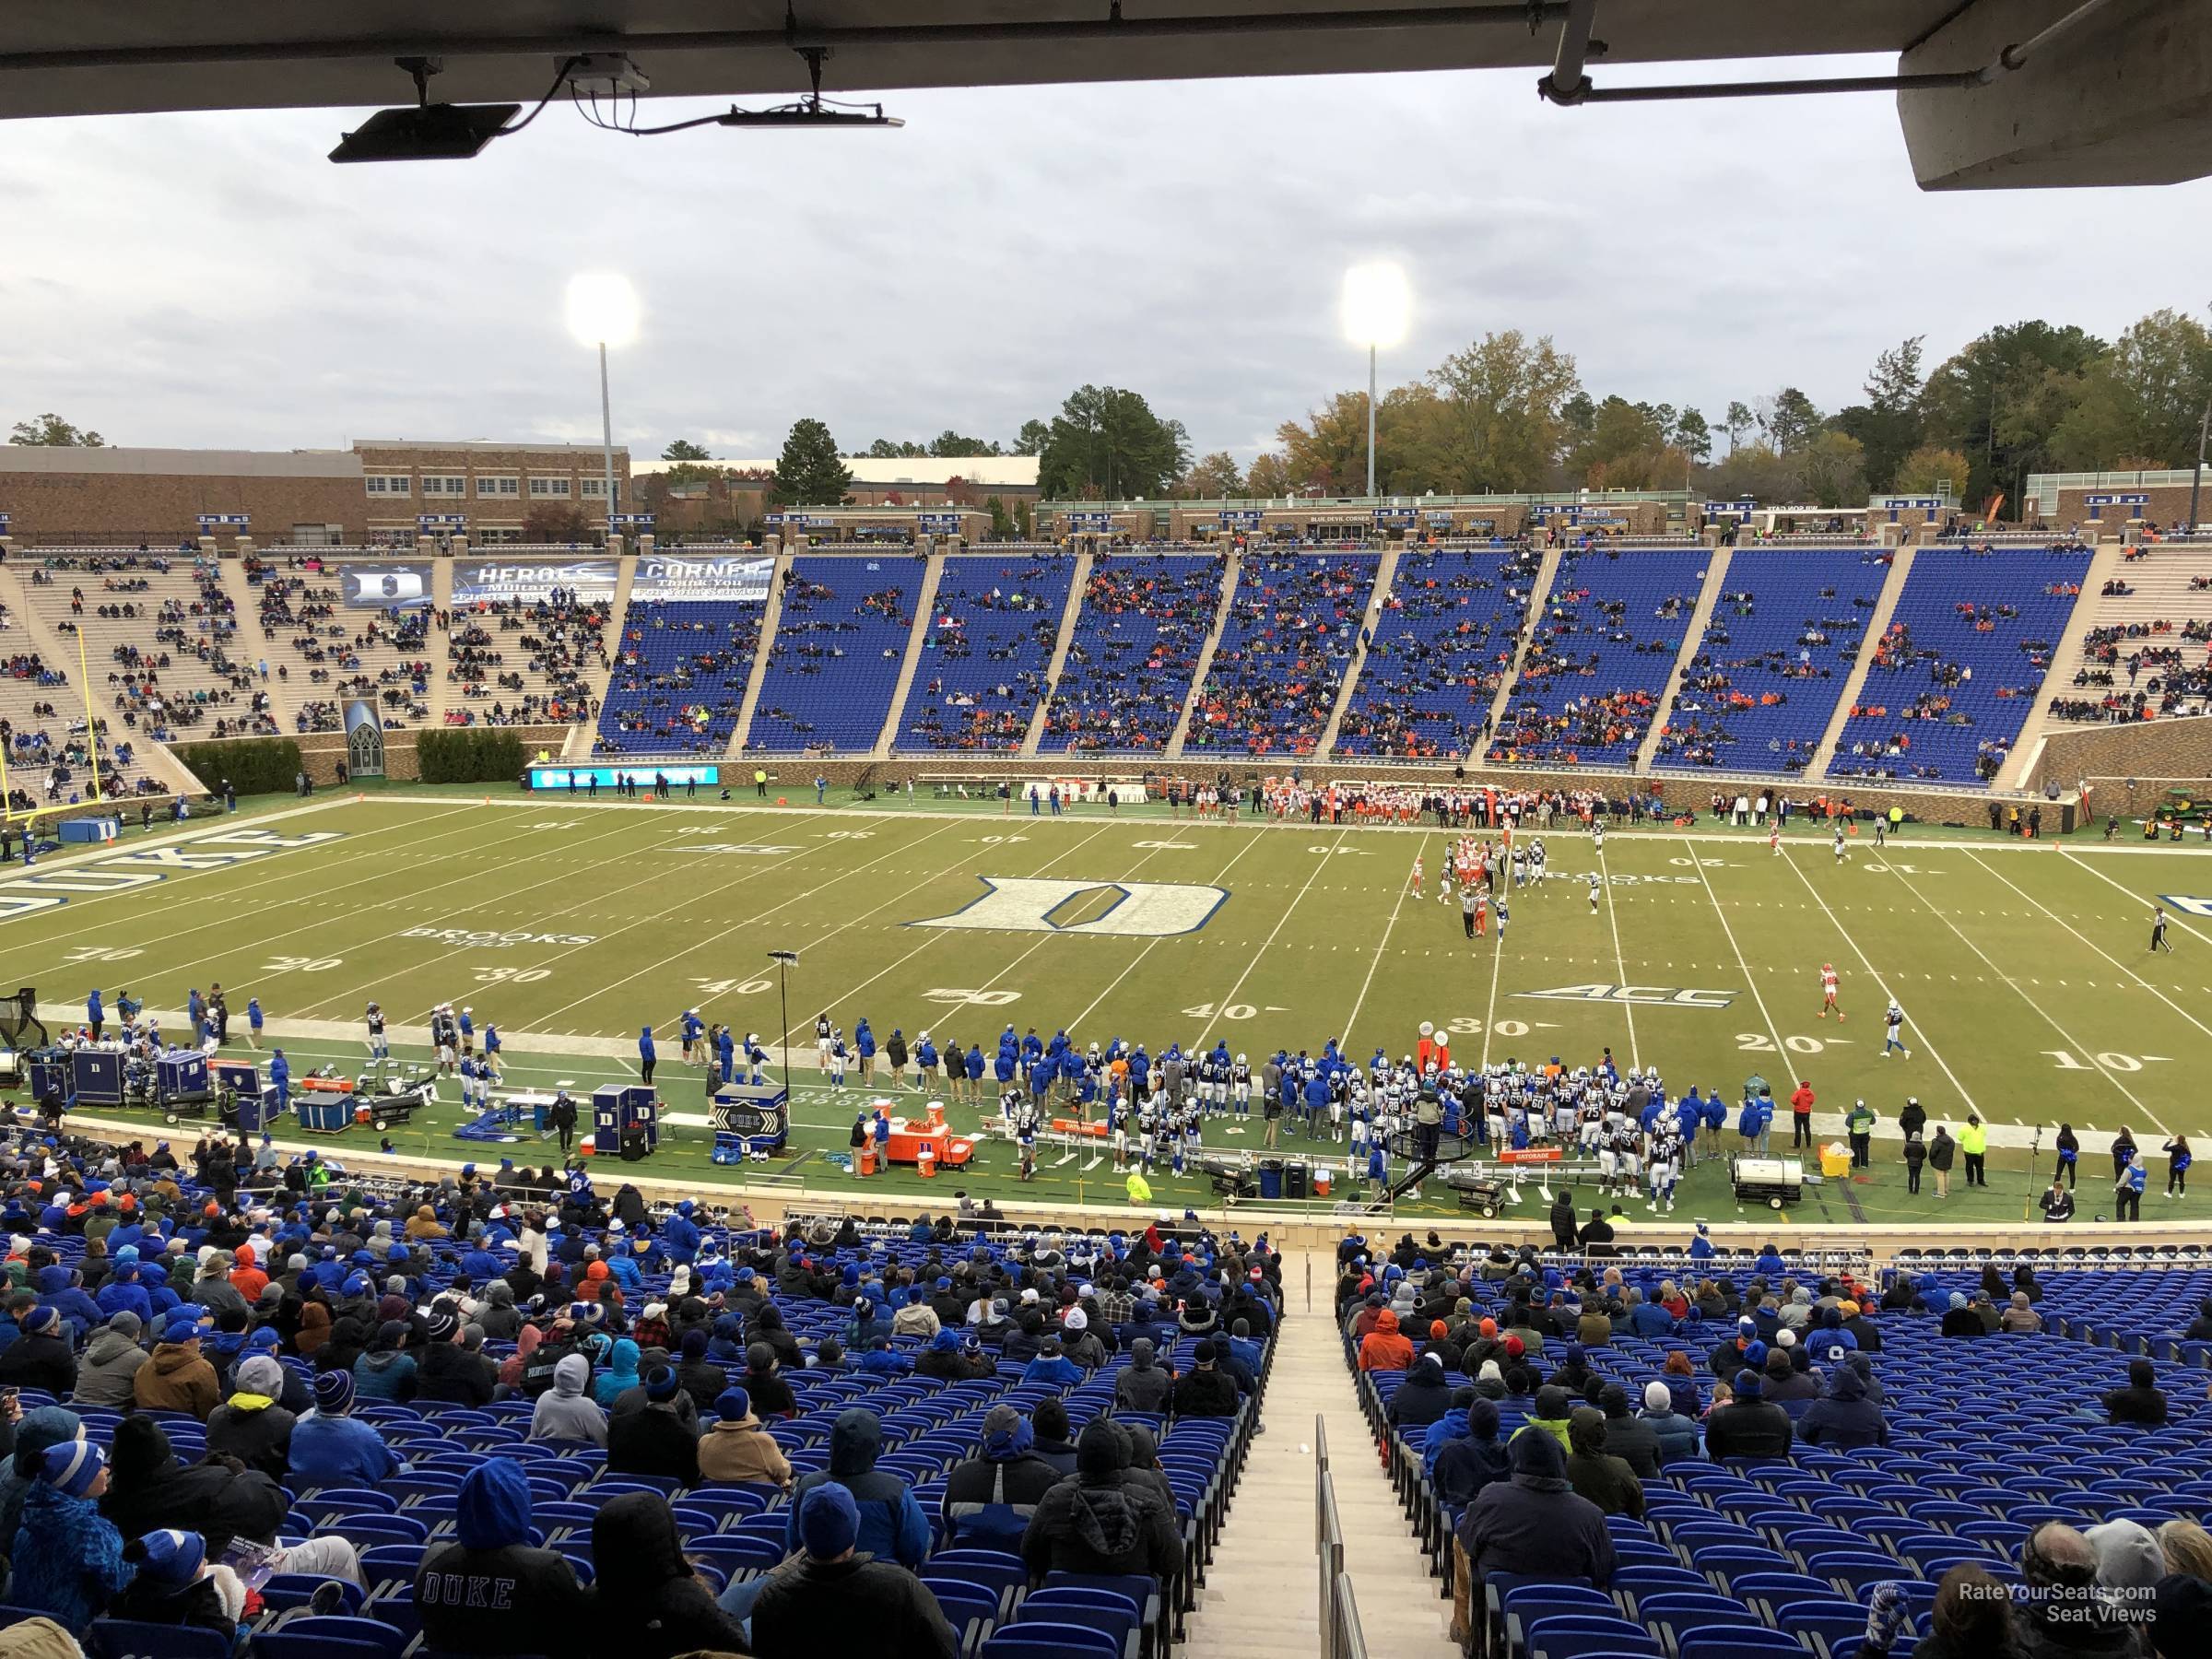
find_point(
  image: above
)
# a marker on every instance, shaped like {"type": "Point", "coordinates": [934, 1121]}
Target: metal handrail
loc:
{"type": "Point", "coordinates": [1344, 1638]}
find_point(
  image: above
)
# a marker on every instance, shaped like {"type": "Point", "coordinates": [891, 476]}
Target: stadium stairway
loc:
{"type": "Point", "coordinates": [443, 694]}
{"type": "Point", "coordinates": [771, 614]}
{"type": "Point", "coordinates": [1693, 641]}
{"type": "Point", "coordinates": [1531, 615]}
{"type": "Point", "coordinates": [1386, 576]}
{"type": "Point", "coordinates": [1885, 607]}
{"type": "Point", "coordinates": [2160, 594]}
{"type": "Point", "coordinates": [1233, 570]}
{"type": "Point", "coordinates": [1076, 590]}
{"type": "Point", "coordinates": [933, 572]}
{"type": "Point", "coordinates": [1263, 1590]}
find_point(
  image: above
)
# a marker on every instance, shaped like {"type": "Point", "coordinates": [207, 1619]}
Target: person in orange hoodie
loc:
{"type": "Point", "coordinates": [1384, 1349]}
{"type": "Point", "coordinates": [246, 1276]}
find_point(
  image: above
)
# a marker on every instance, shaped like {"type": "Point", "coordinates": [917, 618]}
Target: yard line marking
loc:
{"type": "Point", "coordinates": [1781, 1048]}
{"type": "Point", "coordinates": [401, 902]}
{"type": "Point", "coordinates": [170, 906]}
{"type": "Point", "coordinates": [599, 898]}
{"type": "Point", "coordinates": [2071, 1041]}
{"type": "Point", "coordinates": [1251, 842]}
{"type": "Point", "coordinates": [1620, 962]}
{"type": "Point", "coordinates": [758, 916]}
{"type": "Point", "coordinates": [937, 935]}
{"type": "Point", "coordinates": [1384, 943]}
{"type": "Point", "coordinates": [1265, 945]}
{"type": "Point", "coordinates": [1490, 1010]}
{"type": "Point", "coordinates": [2107, 881]}
{"type": "Point", "coordinates": [2107, 955]}
{"type": "Point", "coordinates": [1880, 985]}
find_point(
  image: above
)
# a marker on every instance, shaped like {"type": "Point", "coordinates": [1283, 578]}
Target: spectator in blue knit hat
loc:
{"type": "Point", "coordinates": [331, 1447]}
{"type": "Point", "coordinates": [68, 1556]}
{"type": "Point", "coordinates": [838, 1602]}
{"type": "Point", "coordinates": [654, 1440]}
{"type": "Point", "coordinates": [735, 1450]}
{"type": "Point", "coordinates": [175, 1583]}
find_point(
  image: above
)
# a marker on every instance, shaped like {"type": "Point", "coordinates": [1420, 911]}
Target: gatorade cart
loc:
{"type": "Point", "coordinates": [911, 1140]}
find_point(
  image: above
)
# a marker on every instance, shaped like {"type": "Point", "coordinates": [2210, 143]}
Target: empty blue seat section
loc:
{"type": "Point", "coordinates": [1775, 657]}
{"type": "Point", "coordinates": [1590, 680]}
{"type": "Point", "coordinates": [985, 647]}
{"type": "Point", "coordinates": [679, 677]}
{"type": "Point", "coordinates": [1137, 637]}
{"type": "Point", "coordinates": [840, 638]}
{"type": "Point", "coordinates": [1442, 644]}
{"type": "Point", "coordinates": [1955, 675]}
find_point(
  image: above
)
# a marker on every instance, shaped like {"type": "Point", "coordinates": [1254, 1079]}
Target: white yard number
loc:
{"type": "Point", "coordinates": [1228, 1011]}
{"type": "Point", "coordinates": [752, 987]}
{"type": "Point", "coordinates": [2064, 1058]}
{"type": "Point", "coordinates": [1341, 851]}
{"type": "Point", "coordinates": [1467, 1026]}
{"type": "Point", "coordinates": [294, 964]}
{"type": "Point", "coordinates": [103, 953]}
{"type": "Point", "coordinates": [557, 824]}
{"type": "Point", "coordinates": [512, 976]}
{"type": "Point", "coordinates": [1751, 1043]}
{"type": "Point", "coordinates": [1901, 869]}
{"type": "Point", "coordinates": [993, 841]}
{"type": "Point", "coordinates": [848, 834]}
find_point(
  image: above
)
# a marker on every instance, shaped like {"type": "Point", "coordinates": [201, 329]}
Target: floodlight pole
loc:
{"type": "Point", "coordinates": [606, 443]}
{"type": "Point", "coordinates": [784, 961]}
{"type": "Point", "coordinates": [1371, 419]}
{"type": "Point", "coordinates": [2196, 478]}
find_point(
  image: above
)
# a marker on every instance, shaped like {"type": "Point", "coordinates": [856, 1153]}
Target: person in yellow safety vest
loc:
{"type": "Point", "coordinates": [1140, 1190]}
{"type": "Point", "coordinates": [1974, 1143]}
{"type": "Point", "coordinates": [760, 782]}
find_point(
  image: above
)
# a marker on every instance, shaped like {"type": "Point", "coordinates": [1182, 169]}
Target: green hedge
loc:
{"type": "Point", "coordinates": [253, 765]}
{"type": "Point", "coordinates": [470, 755]}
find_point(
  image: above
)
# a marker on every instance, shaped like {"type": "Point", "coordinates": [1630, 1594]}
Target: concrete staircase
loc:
{"type": "Point", "coordinates": [1263, 1591]}
{"type": "Point", "coordinates": [1716, 570]}
{"type": "Point", "coordinates": [1384, 576]}
{"type": "Point", "coordinates": [931, 573]}
{"type": "Point", "coordinates": [770, 615]}
{"type": "Point", "coordinates": [1233, 570]}
{"type": "Point", "coordinates": [2161, 584]}
{"type": "Point", "coordinates": [1885, 607]}
{"type": "Point", "coordinates": [1531, 620]}
{"type": "Point", "coordinates": [1059, 659]}
{"type": "Point", "coordinates": [578, 744]}
{"type": "Point", "coordinates": [443, 693]}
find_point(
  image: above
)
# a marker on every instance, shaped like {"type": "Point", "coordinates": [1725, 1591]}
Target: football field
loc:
{"type": "Point", "coordinates": [2030, 993]}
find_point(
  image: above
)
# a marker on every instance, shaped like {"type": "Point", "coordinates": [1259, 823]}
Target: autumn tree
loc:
{"type": "Point", "coordinates": [51, 432]}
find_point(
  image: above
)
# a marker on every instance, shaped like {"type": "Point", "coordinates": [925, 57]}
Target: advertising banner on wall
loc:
{"type": "Point", "coordinates": [497, 581]}
{"type": "Point", "coordinates": [387, 586]}
{"type": "Point", "coordinates": [738, 578]}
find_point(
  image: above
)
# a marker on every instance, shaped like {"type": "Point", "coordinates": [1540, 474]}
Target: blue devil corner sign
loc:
{"type": "Point", "coordinates": [1142, 909]}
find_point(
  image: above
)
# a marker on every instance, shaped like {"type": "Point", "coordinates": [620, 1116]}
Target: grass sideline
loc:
{"type": "Point", "coordinates": [2022, 969]}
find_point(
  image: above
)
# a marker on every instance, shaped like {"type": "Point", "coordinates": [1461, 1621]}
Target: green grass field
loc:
{"type": "Point", "coordinates": [2024, 972]}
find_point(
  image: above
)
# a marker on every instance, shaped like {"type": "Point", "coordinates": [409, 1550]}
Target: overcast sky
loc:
{"type": "Point", "coordinates": [212, 281]}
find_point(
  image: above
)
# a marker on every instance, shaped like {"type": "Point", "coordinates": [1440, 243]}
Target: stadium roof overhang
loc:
{"type": "Point", "coordinates": [70, 57]}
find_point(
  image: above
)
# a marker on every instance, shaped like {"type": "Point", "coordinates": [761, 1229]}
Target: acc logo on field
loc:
{"type": "Point", "coordinates": [2182, 901]}
{"type": "Point", "coordinates": [1149, 909]}
{"type": "Point", "coordinates": [1666, 997]}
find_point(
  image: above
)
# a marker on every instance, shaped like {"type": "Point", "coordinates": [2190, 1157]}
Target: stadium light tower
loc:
{"type": "Point", "coordinates": [1377, 305]}
{"type": "Point", "coordinates": [603, 311]}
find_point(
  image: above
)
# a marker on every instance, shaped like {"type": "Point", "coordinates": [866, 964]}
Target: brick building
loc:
{"type": "Point", "coordinates": [377, 492]}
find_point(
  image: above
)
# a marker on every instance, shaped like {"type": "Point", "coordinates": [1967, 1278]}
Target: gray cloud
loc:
{"type": "Point", "coordinates": [203, 280]}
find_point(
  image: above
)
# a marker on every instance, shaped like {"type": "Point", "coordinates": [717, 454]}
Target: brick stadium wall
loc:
{"type": "Point", "coordinates": [162, 509]}
{"type": "Point", "coordinates": [2134, 765]}
{"type": "Point", "coordinates": [2168, 504]}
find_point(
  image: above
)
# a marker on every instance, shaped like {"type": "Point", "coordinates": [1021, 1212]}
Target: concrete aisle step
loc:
{"type": "Point", "coordinates": [1261, 1599]}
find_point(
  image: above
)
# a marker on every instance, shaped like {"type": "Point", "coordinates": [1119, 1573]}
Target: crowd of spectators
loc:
{"type": "Point", "coordinates": [1293, 627]}
{"type": "Point", "coordinates": [1443, 644]}
{"type": "Point", "coordinates": [1136, 647]}
{"type": "Point", "coordinates": [560, 639]}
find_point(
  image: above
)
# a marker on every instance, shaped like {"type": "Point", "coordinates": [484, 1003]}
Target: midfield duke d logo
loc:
{"type": "Point", "coordinates": [1131, 908]}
